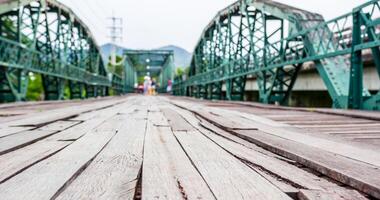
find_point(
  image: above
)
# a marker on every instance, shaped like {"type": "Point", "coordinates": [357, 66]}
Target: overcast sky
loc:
{"type": "Point", "coordinates": [154, 23]}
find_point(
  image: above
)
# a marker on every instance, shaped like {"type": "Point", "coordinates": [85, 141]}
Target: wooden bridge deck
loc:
{"type": "Point", "coordinates": [138, 147]}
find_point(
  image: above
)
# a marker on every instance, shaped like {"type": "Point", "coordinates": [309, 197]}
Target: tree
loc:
{"type": "Point", "coordinates": [35, 89]}
{"type": "Point", "coordinates": [116, 69]}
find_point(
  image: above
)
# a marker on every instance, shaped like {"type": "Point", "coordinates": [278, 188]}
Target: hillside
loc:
{"type": "Point", "coordinates": [182, 58]}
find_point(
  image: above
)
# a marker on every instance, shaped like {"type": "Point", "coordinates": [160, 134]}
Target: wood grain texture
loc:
{"type": "Point", "coordinates": [114, 172]}
{"type": "Point", "coordinates": [167, 172]}
{"type": "Point", "coordinates": [15, 162]}
{"type": "Point", "coordinates": [331, 195]}
{"type": "Point", "coordinates": [263, 161]}
{"type": "Point", "coordinates": [6, 131]}
{"type": "Point", "coordinates": [46, 178]}
{"type": "Point", "coordinates": [59, 126]}
{"type": "Point", "coordinates": [348, 169]}
{"type": "Point", "coordinates": [19, 140]}
{"type": "Point", "coordinates": [358, 175]}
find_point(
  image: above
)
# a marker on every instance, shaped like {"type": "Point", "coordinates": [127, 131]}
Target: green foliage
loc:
{"type": "Point", "coordinates": [66, 93]}
{"type": "Point", "coordinates": [35, 89]}
{"type": "Point", "coordinates": [181, 71]}
{"type": "Point", "coordinates": [116, 69]}
{"type": "Point", "coordinates": [187, 71]}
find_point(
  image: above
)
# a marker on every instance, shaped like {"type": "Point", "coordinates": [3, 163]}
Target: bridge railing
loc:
{"type": "Point", "coordinates": [15, 55]}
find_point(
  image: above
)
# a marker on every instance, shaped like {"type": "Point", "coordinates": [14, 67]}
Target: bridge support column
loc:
{"type": "Point", "coordinates": [53, 88]}
{"type": "Point", "coordinates": [90, 91]}
{"type": "Point", "coordinates": [13, 84]}
{"type": "Point", "coordinates": [101, 91]}
{"type": "Point", "coordinates": [235, 88]}
{"type": "Point", "coordinates": [76, 90]}
{"type": "Point", "coordinates": [214, 91]}
{"type": "Point", "coordinates": [355, 95]}
{"type": "Point", "coordinates": [275, 86]}
{"type": "Point", "coordinates": [202, 90]}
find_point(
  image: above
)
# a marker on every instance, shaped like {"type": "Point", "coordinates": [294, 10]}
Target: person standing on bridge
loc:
{"type": "Point", "coordinates": [153, 86]}
{"type": "Point", "coordinates": [169, 88]}
{"type": "Point", "coordinates": [146, 85]}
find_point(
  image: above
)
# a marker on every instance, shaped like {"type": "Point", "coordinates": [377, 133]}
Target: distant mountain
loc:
{"type": "Point", "coordinates": [182, 58]}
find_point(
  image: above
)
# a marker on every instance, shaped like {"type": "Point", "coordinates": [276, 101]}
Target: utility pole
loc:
{"type": "Point", "coordinates": [116, 35]}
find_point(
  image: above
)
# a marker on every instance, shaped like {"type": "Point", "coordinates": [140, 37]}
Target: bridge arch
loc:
{"type": "Point", "coordinates": [46, 37]}
{"type": "Point", "coordinates": [271, 41]}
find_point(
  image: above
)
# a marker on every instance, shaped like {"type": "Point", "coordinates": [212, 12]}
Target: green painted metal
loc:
{"type": "Point", "coordinates": [47, 38]}
{"type": "Point", "coordinates": [270, 42]}
{"type": "Point", "coordinates": [158, 64]}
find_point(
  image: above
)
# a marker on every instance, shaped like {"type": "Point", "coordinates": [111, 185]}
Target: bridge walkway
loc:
{"type": "Point", "coordinates": [139, 147]}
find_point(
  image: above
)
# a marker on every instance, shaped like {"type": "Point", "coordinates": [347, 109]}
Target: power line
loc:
{"type": "Point", "coordinates": [91, 24]}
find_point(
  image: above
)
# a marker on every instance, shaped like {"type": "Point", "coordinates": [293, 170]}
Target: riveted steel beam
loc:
{"type": "Point", "coordinates": [274, 43]}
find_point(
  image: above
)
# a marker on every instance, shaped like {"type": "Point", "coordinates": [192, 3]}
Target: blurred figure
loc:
{"type": "Point", "coordinates": [146, 85]}
{"type": "Point", "coordinates": [153, 87]}
{"type": "Point", "coordinates": [169, 88]}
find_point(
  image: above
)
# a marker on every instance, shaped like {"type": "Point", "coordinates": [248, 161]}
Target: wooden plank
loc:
{"type": "Point", "coordinates": [261, 160]}
{"type": "Point", "coordinates": [17, 161]}
{"type": "Point", "coordinates": [282, 185]}
{"type": "Point", "coordinates": [58, 126]}
{"type": "Point", "coordinates": [167, 172]}
{"type": "Point", "coordinates": [363, 177]}
{"type": "Point", "coordinates": [6, 131]}
{"type": "Point", "coordinates": [114, 172]}
{"type": "Point", "coordinates": [365, 155]}
{"type": "Point", "coordinates": [227, 176]}
{"type": "Point", "coordinates": [19, 140]}
{"type": "Point", "coordinates": [323, 195]}
{"type": "Point", "coordinates": [47, 178]}
{"type": "Point", "coordinates": [177, 122]}
{"type": "Point", "coordinates": [97, 119]}
{"type": "Point", "coordinates": [223, 117]}
{"type": "Point", "coordinates": [21, 159]}
{"type": "Point", "coordinates": [357, 174]}
{"type": "Point", "coordinates": [37, 119]}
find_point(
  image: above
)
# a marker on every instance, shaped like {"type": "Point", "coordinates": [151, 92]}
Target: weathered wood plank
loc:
{"type": "Point", "coordinates": [17, 161]}
{"type": "Point", "coordinates": [177, 122]}
{"type": "Point", "coordinates": [223, 117]}
{"type": "Point", "coordinates": [19, 140]}
{"type": "Point", "coordinates": [59, 126]}
{"type": "Point", "coordinates": [21, 159]}
{"type": "Point", "coordinates": [49, 116]}
{"type": "Point", "coordinates": [114, 172]}
{"type": "Point", "coordinates": [291, 175]}
{"type": "Point", "coordinates": [6, 131]}
{"type": "Point", "coordinates": [335, 195]}
{"type": "Point", "coordinates": [349, 171]}
{"type": "Point", "coordinates": [47, 178]}
{"type": "Point", "coordinates": [227, 176]}
{"type": "Point", "coordinates": [167, 172]}
{"type": "Point", "coordinates": [363, 177]}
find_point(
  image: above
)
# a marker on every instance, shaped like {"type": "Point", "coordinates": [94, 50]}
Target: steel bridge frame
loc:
{"type": "Point", "coordinates": [271, 41]}
{"type": "Point", "coordinates": [47, 38]}
{"type": "Point", "coordinates": [161, 60]}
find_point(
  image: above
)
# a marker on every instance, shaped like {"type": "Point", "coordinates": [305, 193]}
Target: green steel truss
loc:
{"type": "Point", "coordinates": [270, 41]}
{"type": "Point", "coordinates": [158, 64]}
{"type": "Point", "coordinates": [47, 38]}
